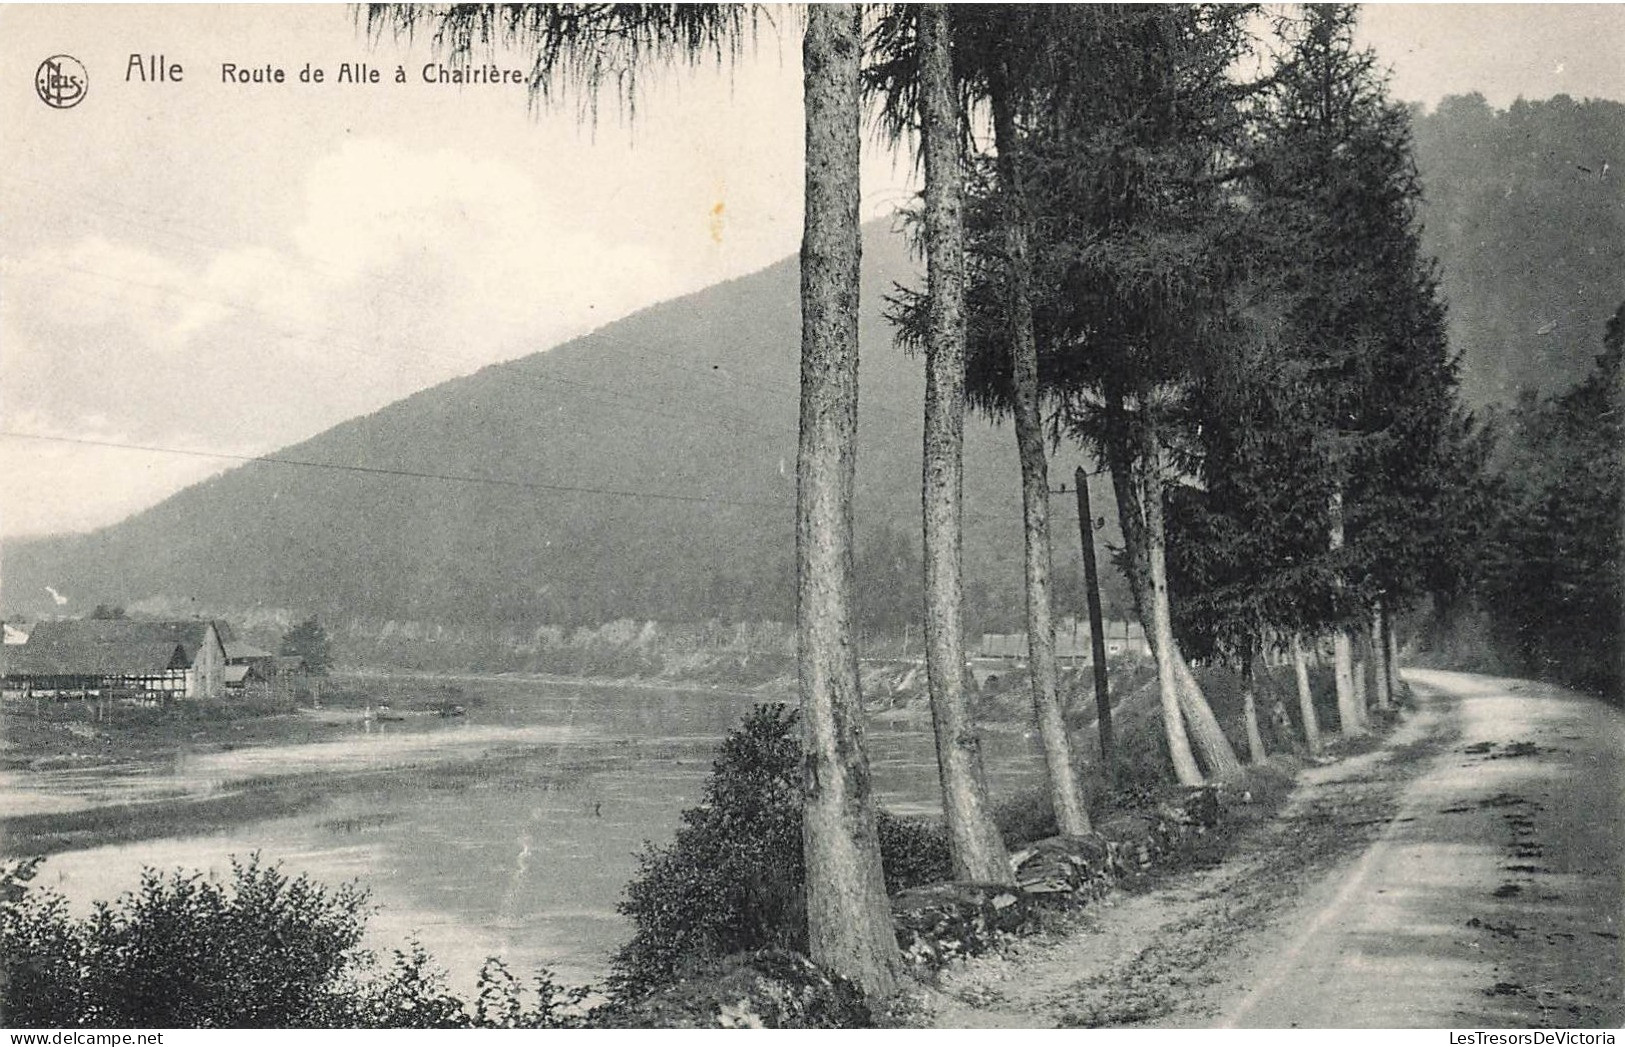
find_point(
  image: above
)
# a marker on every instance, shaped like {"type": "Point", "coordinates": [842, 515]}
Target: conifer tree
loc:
{"type": "Point", "coordinates": [1333, 200]}
{"type": "Point", "coordinates": [1121, 120]}
{"type": "Point", "coordinates": [1131, 148]}
{"type": "Point", "coordinates": [588, 48]}
{"type": "Point", "coordinates": [913, 80]}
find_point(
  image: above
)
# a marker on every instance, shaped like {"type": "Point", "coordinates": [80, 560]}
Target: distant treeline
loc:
{"type": "Point", "coordinates": [1548, 590]}
{"type": "Point", "coordinates": [1525, 210]}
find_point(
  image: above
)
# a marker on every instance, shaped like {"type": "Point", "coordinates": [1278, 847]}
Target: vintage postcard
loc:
{"type": "Point", "coordinates": [838, 516]}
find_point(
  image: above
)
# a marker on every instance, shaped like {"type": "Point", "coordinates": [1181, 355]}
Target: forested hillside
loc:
{"type": "Point", "coordinates": [1525, 210]}
{"type": "Point", "coordinates": [686, 411]}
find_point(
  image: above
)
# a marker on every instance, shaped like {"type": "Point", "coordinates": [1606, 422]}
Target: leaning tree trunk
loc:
{"type": "Point", "coordinates": [1350, 714]}
{"type": "Point", "coordinates": [1211, 742]}
{"type": "Point", "coordinates": [1161, 624]}
{"type": "Point", "coordinates": [1249, 711]}
{"type": "Point", "coordinates": [1071, 816]}
{"type": "Point", "coordinates": [849, 925]}
{"type": "Point", "coordinates": [1306, 700]}
{"type": "Point", "coordinates": [978, 851]}
{"type": "Point", "coordinates": [1123, 451]}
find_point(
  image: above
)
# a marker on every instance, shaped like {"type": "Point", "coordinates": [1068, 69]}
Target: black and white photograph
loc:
{"type": "Point", "coordinates": [833, 516]}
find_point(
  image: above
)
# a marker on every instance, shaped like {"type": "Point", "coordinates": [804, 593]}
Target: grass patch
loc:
{"type": "Point", "coordinates": [45, 834]}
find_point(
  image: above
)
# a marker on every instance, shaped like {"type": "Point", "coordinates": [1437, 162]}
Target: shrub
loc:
{"type": "Point", "coordinates": [769, 988]}
{"type": "Point", "coordinates": [501, 1002]}
{"type": "Point", "coordinates": [182, 952]}
{"type": "Point", "coordinates": [263, 951]}
{"type": "Point", "coordinates": [41, 954]}
{"type": "Point", "coordinates": [913, 851]}
{"type": "Point", "coordinates": [1025, 817]}
{"type": "Point", "coordinates": [732, 880]}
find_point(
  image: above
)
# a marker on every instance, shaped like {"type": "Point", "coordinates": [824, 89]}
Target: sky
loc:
{"type": "Point", "coordinates": [228, 267]}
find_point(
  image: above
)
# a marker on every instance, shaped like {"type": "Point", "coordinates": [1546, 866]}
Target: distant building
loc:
{"type": "Point", "coordinates": [247, 665]}
{"type": "Point", "coordinates": [240, 653]}
{"type": "Point", "coordinates": [289, 664]}
{"type": "Point", "coordinates": [1011, 646]}
{"type": "Point", "coordinates": [1072, 643]}
{"type": "Point", "coordinates": [185, 659]}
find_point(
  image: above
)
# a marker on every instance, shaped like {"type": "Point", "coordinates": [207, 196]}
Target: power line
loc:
{"type": "Point", "coordinates": [496, 481]}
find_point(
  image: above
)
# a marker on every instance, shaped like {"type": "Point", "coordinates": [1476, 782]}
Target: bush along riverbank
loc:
{"type": "Point", "coordinates": [718, 914]}
{"type": "Point", "coordinates": [716, 922]}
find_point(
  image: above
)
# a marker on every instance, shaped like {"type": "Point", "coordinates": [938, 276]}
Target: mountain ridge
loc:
{"type": "Point", "coordinates": [689, 405]}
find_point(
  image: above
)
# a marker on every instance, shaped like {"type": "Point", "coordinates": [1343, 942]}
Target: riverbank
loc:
{"type": "Point", "coordinates": [70, 735]}
{"type": "Point", "coordinates": [447, 768]}
{"type": "Point", "coordinates": [44, 735]}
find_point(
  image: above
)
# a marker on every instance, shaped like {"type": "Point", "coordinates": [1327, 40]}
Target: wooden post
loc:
{"type": "Point", "coordinates": [1390, 660]}
{"type": "Point", "coordinates": [1380, 673]}
{"type": "Point", "coordinates": [1097, 631]}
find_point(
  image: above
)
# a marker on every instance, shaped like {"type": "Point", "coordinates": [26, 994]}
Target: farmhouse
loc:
{"type": "Point", "coordinates": [185, 659]}
{"type": "Point", "coordinates": [246, 665]}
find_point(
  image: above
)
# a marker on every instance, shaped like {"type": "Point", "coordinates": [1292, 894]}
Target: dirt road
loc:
{"type": "Point", "coordinates": [1467, 873]}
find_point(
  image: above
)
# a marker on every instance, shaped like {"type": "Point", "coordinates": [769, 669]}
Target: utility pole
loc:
{"type": "Point", "coordinates": [1097, 629]}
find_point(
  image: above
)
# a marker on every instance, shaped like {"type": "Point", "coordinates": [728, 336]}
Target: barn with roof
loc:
{"type": "Point", "coordinates": [177, 659]}
{"type": "Point", "coordinates": [246, 665]}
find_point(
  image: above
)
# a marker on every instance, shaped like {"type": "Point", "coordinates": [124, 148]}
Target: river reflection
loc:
{"type": "Point", "coordinates": [508, 833]}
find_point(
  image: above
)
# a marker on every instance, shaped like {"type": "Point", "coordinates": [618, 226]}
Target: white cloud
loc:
{"type": "Point", "coordinates": [47, 486]}
{"type": "Point", "coordinates": [404, 269]}
{"type": "Point", "coordinates": [463, 256]}
{"type": "Point", "coordinates": [257, 284]}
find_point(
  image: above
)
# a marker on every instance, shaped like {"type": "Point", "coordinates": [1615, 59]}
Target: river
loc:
{"type": "Point", "coordinates": [509, 832]}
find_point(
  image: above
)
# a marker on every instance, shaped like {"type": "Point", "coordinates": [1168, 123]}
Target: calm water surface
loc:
{"type": "Point", "coordinates": [509, 833]}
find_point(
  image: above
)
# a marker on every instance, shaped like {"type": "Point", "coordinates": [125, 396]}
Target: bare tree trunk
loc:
{"type": "Point", "coordinates": [849, 925]}
{"type": "Point", "coordinates": [978, 851]}
{"type": "Point", "coordinates": [1249, 710]}
{"type": "Point", "coordinates": [1162, 630]}
{"type": "Point", "coordinates": [1306, 700]}
{"type": "Point", "coordinates": [1349, 710]}
{"type": "Point", "coordinates": [1071, 816]}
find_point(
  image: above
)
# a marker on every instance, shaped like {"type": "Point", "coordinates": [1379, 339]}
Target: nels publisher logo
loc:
{"type": "Point", "coordinates": [61, 82]}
